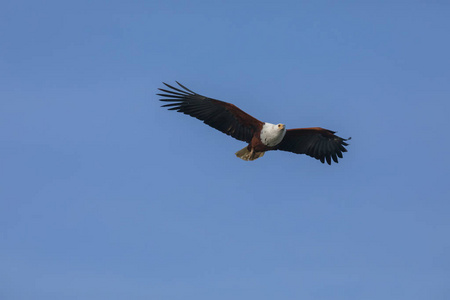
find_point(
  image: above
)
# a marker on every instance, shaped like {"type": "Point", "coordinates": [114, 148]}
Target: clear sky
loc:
{"type": "Point", "coordinates": [105, 195]}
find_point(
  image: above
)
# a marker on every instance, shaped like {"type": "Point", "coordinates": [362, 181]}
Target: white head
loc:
{"type": "Point", "coordinates": [272, 135]}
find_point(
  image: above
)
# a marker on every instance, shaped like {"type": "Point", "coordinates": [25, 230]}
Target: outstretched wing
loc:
{"type": "Point", "coordinates": [220, 115]}
{"type": "Point", "coordinates": [316, 142]}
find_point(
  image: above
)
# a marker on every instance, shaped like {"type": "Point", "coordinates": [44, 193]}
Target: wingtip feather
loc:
{"type": "Point", "coordinates": [184, 87]}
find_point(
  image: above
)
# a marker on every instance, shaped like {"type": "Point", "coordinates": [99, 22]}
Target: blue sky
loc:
{"type": "Point", "coordinates": [105, 195]}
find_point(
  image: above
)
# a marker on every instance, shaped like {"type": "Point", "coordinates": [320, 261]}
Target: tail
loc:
{"type": "Point", "coordinates": [247, 155]}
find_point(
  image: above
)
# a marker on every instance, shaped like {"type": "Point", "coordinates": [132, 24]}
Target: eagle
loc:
{"type": "Point", "coordinates": [319, 143]}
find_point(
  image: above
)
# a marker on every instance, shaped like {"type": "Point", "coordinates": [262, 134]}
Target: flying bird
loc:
{"type": "Point", "coordinates": [319, 143]}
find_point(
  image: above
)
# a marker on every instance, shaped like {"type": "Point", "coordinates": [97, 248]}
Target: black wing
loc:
{"type": "Point", "coordinates": [220, 115]}
{"type": "Point", "coordinates": [316, 142]}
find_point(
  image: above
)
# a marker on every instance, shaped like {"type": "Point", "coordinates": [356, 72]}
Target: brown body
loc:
{"type": "Point", "coordinates": [256, 144]}
{"type": "Point", "coordinates": [255, 149]}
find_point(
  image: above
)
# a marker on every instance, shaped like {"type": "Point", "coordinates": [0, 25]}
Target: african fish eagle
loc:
{"type": "Point", "coordinates": [316, 142]}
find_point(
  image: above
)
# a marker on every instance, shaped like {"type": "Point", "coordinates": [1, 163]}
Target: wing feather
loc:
{"type": "Point", "coordinates": [220, 115]}
{"type": "Point", "coordinates": [322, 144]}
